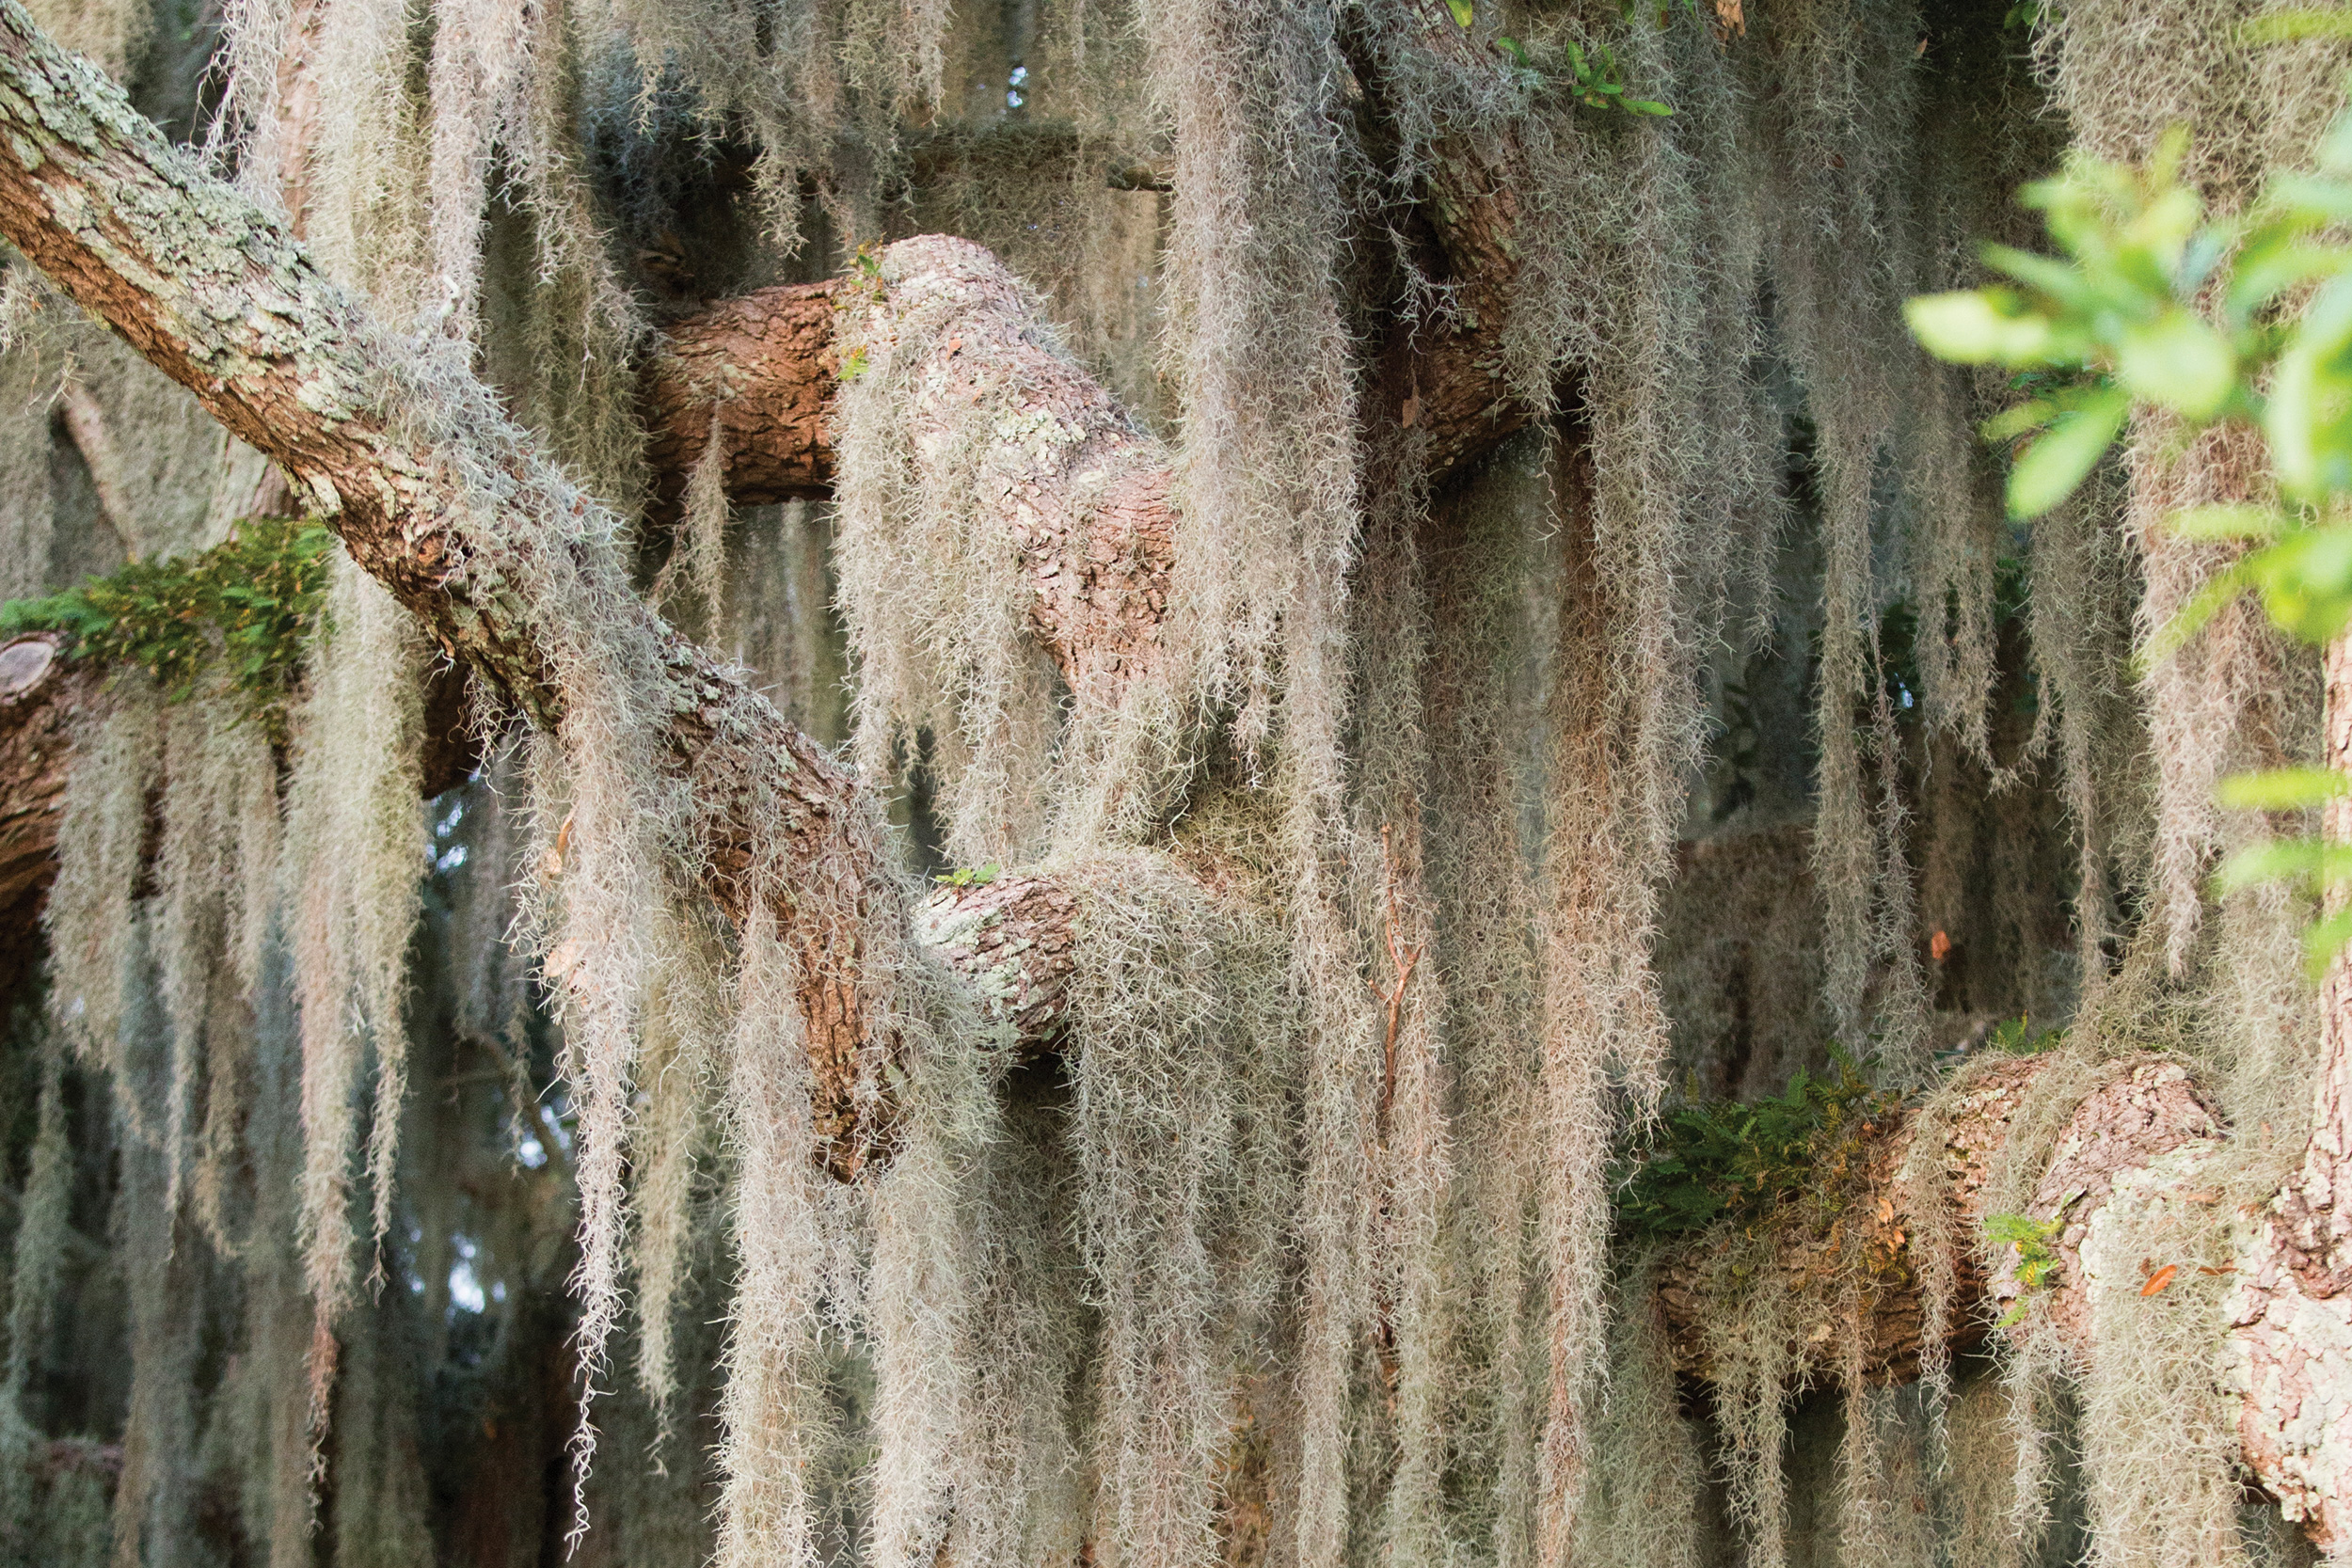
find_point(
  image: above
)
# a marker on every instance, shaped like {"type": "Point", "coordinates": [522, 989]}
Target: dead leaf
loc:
{"type": "Point", "coordinates": [2158, 1280]}
{"type": "Point", "coordinates": [2216, 1273]}
{"type": "Point", "coordinates": [1731, 19]}
{"type": "Point", "coordinates": [1408, 411]}
{"type": "Point", "coordinates": [552, 863]}
{"type": "Point", "coordinates": [1886, 1211]}
{"type": "Point", "coordinates": [1940, 947]}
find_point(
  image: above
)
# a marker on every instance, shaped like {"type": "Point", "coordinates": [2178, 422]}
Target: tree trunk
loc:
{"type": "Point", "coordinates": [2291, 1317]}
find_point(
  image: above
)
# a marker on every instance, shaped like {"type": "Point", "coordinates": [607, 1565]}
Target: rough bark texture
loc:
{"type": "Point", "coordinates": [2124, 1125]}
{"type": "Point", "coordinates": [1011, 940]}
{"type": "Point", "coordinates": [1080, 488]}
{"type": "Point", "coordinates": [2290, 1313]}
{"type": "Point", "coordinates": [765, 364]}
{"type": "Point", "coordinates": [2138, 1110]}
{"type": "Point", "coordinates": [42, 698]}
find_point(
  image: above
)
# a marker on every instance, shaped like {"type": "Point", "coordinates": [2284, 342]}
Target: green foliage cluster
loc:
{"type": "Point", "coordinates": [1708, 1161]}
{"type": "Point", "coordinates": [2017, 1037]}
{"type": "Point", "coordinates": [2243, 321]}
{"type": "Point", "coordinates": [2037, 1258]}
{"type": "Point", "coordinates": [864, 285]}
{"type": "Point", "coordinates": [247, 608]}
{"type": "Point", "coordinates": [1595, 80]}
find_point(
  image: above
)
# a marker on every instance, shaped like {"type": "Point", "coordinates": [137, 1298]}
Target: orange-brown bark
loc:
{"type": "Point", "coordinates": [42, 697]}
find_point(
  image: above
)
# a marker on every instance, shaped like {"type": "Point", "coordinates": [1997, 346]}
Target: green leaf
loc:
{"type": "Point", "coordinates": [2308, 201]}
{"type": "Point", "coordinates": [2274, 260]}
{"type": "Point", "coordinates": [1644, 106]}
{"type": "Point", "coordinates": [2023, 419]}
{"type": "Point", "coordinates": [2309, 415]}
{"type": "Point", "coordinates": [2063, 283]}
{"type": "Point", "coordinates": [2047, 472]}
{"type": "Point", "coordinates": [1462, 13]}
{"type": "Point", "coordinates": [2180, 361]}
{"type": "Point", "coordinates": [2324, 939]}
{"type": "Point", "coordinates": [1978, 326]}
{"type": "Point", "coordinates": [2294, 27]}
{"type": "Point", "coordinates": [2335, 148]}
{"type": "Point", "coordinates": [2281, 859]}
{"type": "Point", "coordinates": [2306, 581]}
{"type": "Point", "coordinates": [2283, 788]}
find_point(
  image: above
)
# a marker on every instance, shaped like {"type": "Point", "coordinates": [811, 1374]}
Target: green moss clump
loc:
{"type": "Point", "coordinates": [1706, 1163]}
{"type": "Point", "coordinates": [247, 608]}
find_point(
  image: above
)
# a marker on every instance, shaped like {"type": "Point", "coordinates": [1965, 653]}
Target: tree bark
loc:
{"type": "Point", "coordinates": [2290, 1351]}
{"type": "Point", "coordinates": [764, 369]}
{"type": "Point", "coordinates": [42, 698]}
{"type": "Point", "coordinates": [2136, 1110]}
{"type": "Point", "coordinates": [764, 365]}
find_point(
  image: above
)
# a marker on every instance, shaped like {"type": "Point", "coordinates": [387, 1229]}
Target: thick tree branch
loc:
{"type": "Point", "coordinates": [1086, 503]}
{"type": "Point", "coordinates": [1094, 521]}
{"type": "Point", "coordinates": [2290, 1310]}
{"type": "Point", "coordinates": [2138, 1109]}
{"type": "Point", "coordinates": [766, 364]}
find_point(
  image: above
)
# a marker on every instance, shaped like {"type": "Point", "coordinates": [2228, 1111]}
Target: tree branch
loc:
{"type": "Point", "coordinates": [44, 696]}
{"type": "Point", "coordinates": [2138, 1109]}
{"type": "Point", "coordinates": [2290, 1310]}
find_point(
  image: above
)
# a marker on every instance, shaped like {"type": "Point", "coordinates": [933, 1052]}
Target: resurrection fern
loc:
{"type": "Point", "coordinates": [247, 606]}
{"type": "Point", "coordinates": [2036, 1261]}
{"type": "Point", "coordinates": [1743, 1163]}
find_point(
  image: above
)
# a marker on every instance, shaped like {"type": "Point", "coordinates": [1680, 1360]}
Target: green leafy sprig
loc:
{"type": "Point", "coordinates": [1597, 82]}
